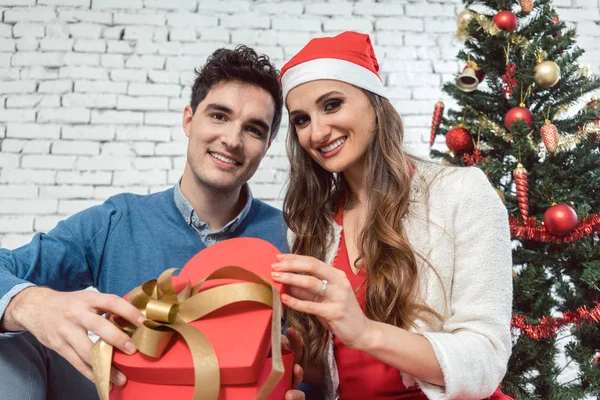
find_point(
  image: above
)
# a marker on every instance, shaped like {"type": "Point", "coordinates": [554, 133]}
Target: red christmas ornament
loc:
{"type": "Point", "coordinates": [520, 175]}
{"type": "Point", "coordinates": [473, 159]}
{"type": "Point", "coordinates": [437, 120]}
{"type": "Point", "coordinates": [506, 20]}
{"type": "Point", "coordinates": [459, 140]}
{"type": "Point", "coordinates": [555, 21]}
{"type": "Point", "coordinates": [509, 80]}
{"type": "Point", "coordinates": [560, 219]}
{"type": "Point", "coordinates": [517, 113]}
{"type": "Point", "coordinates": [549, 134]}
{"type": "Point", "coordinates": [588, 226]}
{"type": "Point", "coordinates": [527, 6]}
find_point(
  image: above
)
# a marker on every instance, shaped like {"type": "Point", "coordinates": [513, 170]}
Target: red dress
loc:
{"type": "Point", "coordinates": [362, 376]}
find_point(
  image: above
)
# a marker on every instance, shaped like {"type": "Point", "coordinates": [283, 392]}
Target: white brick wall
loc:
{"type": "Point", "coordinates": [91, 91]}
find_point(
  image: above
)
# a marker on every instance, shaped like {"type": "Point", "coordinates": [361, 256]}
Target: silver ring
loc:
{"type": "Point", "coordinates": [323, 289]}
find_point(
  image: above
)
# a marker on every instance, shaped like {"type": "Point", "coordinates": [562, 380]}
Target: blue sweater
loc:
{"type": "Point", "coordinates": [119, 245]}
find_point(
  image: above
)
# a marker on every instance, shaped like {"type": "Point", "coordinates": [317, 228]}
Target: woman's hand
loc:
{"type": "Point", "coordinates": [325, 292]}
{"type": "Point", "coordinates": [338, 310]}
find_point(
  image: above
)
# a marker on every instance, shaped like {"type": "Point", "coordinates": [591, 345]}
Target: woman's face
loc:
{"type": "Point", "coordinates": [334, 122]}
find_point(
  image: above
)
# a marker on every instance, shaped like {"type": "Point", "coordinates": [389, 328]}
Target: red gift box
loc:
{"type": "Point", "coordinates": [240, 332]}
{"type": "Point", "coordinates": [135, 389]}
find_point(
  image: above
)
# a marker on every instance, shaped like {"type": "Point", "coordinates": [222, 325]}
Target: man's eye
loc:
{"type": "Point", "coordinates": [332, 105]}
{"type": "Point", "coordinates": [219, 117]}
{"type": "Point", "coordinates": [300, 120]}
{"type": "Point", "coordinates": [255, 131]}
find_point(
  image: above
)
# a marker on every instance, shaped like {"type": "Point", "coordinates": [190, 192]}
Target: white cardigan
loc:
{"type": "Point", "coordinates": [458, 223]}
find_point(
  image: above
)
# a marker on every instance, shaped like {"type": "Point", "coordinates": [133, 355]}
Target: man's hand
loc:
{"type": "Point", "coordinates": [293, 342]}
{"type": "Point", "coordinates": [61, 321]}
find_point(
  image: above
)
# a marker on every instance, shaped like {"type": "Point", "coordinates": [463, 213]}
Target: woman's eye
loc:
{"type": "Point", "coordinates": [300, 120]}
{"type": "Point", "coordinates": [332, 105]}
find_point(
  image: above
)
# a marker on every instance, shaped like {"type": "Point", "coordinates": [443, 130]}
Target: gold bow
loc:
{"type": "Point", "coordinates": [168, 313]}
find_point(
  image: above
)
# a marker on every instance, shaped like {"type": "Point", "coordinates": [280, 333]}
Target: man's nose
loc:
{"type": "Point", "coordinates": [232, 138]}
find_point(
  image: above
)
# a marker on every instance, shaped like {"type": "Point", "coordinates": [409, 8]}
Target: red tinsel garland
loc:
{"type": "Point", "coordinates": [549, 326]}
{"type": "Point", "coordinates": [531, 231]}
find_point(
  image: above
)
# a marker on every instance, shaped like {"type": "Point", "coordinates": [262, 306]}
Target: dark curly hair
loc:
{"type": "Point", "coordinates": [242, 64]}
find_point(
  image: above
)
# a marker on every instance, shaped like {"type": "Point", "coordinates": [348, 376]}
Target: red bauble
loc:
{"type": "Point", "coordinates": [517, 113]}
{"type": "Point", "coordinates": [459, 141]}
{"type": "Point", "coordinates": [480, 75]}
{"type": "Point", "coordinates": [555, 21]}
{"type": "Point", "coordinates": [560, 219]}
{"type": "Point", "coordinates": [506, 20]}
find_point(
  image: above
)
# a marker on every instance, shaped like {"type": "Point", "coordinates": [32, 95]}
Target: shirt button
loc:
{"type": "Point", "coordinates": [194, 219]}
{"type": "Point", "coordinates": [187, 219]}
{"type": "Point", "coordinates": [209, 239]}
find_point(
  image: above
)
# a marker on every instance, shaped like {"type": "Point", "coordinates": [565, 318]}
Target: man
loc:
{"type": "Point", "coordinates": [233, 116]}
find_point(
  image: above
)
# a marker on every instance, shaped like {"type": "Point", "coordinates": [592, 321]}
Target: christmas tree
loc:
{"type": "Point", "coordinates": [514, 120]}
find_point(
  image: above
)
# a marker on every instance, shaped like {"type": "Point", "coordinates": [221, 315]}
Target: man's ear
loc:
{"type": "Point", "coordinates": [186, 122]}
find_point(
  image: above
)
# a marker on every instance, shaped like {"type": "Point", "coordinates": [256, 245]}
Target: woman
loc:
{"type": "Point", "coordinates": [401, 273]}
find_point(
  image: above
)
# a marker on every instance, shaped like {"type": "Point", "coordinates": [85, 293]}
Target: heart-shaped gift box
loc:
{"type": "Point", "coordinates": [240, 329]}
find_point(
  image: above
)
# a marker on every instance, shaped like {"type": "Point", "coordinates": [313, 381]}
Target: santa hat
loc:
{"type": "Point", "coordinates": [348, 57]}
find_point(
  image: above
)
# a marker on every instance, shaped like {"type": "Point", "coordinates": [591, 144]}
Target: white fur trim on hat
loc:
{"type": "Point", "coordinates": [331, 68]}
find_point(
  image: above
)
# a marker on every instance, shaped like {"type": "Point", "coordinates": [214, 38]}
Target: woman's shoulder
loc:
{"type": "Point", "coordinates": [433, 181]}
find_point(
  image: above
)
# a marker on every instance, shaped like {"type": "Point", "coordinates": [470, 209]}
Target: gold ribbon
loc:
{"type": "Point", "coordinates": [168, 312]}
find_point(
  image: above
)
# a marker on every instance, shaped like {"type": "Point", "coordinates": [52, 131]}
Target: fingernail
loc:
{"type": "Point", "coordinates": [121, 379]}
{"type": "Point", "coordinates": [275, 274]}
{"type": "Point", "coordinates": [141, 320]}
{"type": "Point", "coordinates": [275, 265]}
{"type": "Point", "coordinates": [130, 347]}
{"type": "Point", "coordinates": [285, 298]}
{"type": "Point", "coordinates": [280, 256]}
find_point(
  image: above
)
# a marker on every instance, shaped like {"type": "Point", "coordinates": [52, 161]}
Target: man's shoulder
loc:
{"type": "Point", "coordinates": [263, 210]}
{"type": "Point", "coordinates": [124, 201]}
{"type": "Point", "coordinates": [266, 222]}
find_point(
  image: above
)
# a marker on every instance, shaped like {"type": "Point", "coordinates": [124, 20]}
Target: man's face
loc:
{"type": "Point", "coordinates": [228, 135]}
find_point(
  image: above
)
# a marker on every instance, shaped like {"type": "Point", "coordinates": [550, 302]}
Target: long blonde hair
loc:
{"type": "Point", "coordinates": [310, 205]}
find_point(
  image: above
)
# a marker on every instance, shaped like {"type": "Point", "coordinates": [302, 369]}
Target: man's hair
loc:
{"type": "Point", "coordinates": [242, 64]}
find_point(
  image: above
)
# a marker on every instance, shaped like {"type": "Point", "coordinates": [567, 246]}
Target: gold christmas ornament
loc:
{"type": "Point", "coordinates": [487, 25]}
{"type": "Point", "coordinates": [547, 74]}
{"type": "Point", "coordinates": [463, 19]}
{"type": "Point", "coordinates": [467, 81]}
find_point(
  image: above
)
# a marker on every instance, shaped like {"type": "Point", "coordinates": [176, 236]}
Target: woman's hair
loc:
{"type": "Point", "coordinates": [310, 206]}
